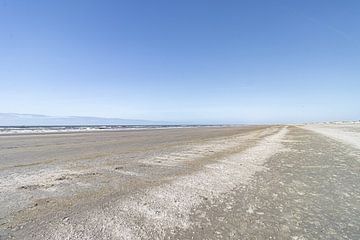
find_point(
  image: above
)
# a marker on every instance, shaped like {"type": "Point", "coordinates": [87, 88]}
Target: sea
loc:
{"type": "Point", "coordinates": [15, 130]}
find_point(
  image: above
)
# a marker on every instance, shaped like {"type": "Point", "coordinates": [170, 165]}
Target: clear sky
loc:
{"type": "Point", "coordinates": [182, 60]}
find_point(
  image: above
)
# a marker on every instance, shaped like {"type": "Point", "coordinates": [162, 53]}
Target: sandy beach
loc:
{"type": "Point", "coordinates": [180, 120]}
{"type": "Point", "coordinates": [249, 182]}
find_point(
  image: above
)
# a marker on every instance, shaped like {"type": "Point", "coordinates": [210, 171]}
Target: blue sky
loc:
{"type": "Point", "coordinates": [187, 61]}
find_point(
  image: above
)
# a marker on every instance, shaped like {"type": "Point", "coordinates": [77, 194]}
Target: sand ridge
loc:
{"type": "Point", "coordinates": [168, 207]}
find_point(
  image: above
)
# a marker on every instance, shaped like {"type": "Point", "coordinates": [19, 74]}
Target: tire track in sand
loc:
{"type": "Point", "coordinates": [163, 209]}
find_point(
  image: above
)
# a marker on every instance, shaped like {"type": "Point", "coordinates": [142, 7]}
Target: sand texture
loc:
{"type": "Point", "coordinates": [250, 182]}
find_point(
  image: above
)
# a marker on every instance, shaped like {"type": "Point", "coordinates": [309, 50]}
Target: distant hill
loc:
{"type": "Point", "coordinates": [15, 119]}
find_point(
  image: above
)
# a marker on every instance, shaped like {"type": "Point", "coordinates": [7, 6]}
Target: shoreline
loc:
{"type": "Point", "coordinates": [42, 130]}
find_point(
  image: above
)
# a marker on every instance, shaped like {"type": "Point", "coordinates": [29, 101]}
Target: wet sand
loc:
{"type": "Point", "coordinates": [254, 182]}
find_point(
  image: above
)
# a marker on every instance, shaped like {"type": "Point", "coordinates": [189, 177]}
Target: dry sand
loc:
{"type": "Point", "coordinates": [198, 183]}
{"type": "Point", "coordinates": [343, 132]}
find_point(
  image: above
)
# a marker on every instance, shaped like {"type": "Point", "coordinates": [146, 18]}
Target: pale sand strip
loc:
{"type": "Point", "coordinates": [337, 133]}
{"type": "Point", "coordinates": [42, 180]}
{"type": "Point", "coordinates": [149, 214]}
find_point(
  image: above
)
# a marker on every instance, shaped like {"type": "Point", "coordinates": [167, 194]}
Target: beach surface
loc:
{"type": "Point", "coordinates": [244, 182]}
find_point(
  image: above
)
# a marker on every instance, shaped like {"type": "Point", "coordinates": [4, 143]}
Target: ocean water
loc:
{"type": "Point", "coordinates": [6, 130]}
